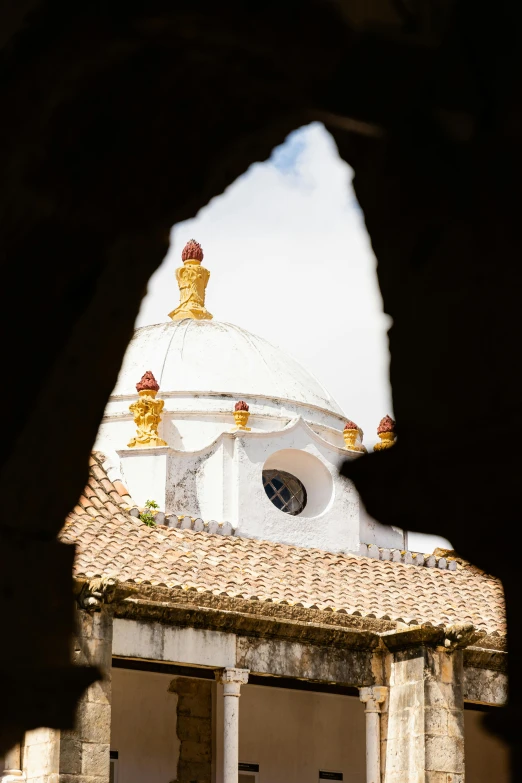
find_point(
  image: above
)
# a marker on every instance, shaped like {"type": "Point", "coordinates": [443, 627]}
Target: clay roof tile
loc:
{"type": "Point", "coordinates": [110, 541]}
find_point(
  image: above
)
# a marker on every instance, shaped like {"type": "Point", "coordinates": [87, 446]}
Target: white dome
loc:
{"type": "Point", "coordinates": [211, 357]}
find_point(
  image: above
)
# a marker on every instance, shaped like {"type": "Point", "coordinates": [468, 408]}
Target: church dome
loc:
{"type": "Point", "coordinates": [215, 423]}
{"type": "Point", "coordinates": [208, 357]}
{"type": "Point", "coordinates": [201, 368]}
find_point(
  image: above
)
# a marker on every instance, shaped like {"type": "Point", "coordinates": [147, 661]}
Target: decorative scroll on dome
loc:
{"type": "Point", "coordinates": [192, 281]}
{"type": "Point", "coordinates": [147, 414]}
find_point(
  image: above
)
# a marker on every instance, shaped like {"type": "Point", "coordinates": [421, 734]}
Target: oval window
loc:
{"type": "Point", "coordinates": [285, 491]}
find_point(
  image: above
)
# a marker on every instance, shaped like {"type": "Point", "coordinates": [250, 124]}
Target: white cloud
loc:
{"type": "Point", "coordinates": [290, 260]}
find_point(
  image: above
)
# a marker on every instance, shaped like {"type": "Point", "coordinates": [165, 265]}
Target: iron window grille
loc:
{"type": "Point", "coordinates": [285, 491]}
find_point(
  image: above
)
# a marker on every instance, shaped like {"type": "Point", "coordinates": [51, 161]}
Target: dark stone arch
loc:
{"type": "Point", "coordinates": [121, 119]}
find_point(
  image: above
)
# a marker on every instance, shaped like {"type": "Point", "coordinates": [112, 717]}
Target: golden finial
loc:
{"type": "Point", "coordinates": [192, 280]}
{"type": "Point", "coordinates": [386, 432]}
{"type": "Point", "coordinates": [147, 414]}
{"type": "Point", "coordinates": [241, 416]}
{"type": "Point", "coordinates": [353, 436]}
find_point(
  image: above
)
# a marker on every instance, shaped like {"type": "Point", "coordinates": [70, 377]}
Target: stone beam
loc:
{"type": "Point", "coordinates": [157, 642]}
{"type": "Point", "coordinates": [154, 641]}
{"type": "Point", "coordinates": [483, 686]}
{"type": "Point", "coordinates": [282, 658]}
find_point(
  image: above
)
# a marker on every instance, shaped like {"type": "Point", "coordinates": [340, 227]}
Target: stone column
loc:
{"type": "Point", "coordinates": [424, 725]}
{"type": "Point", "coordinates": [372, 698]}
{"type": "Point", "coordinates": [232, 680]}
{"type": "Point", "coordinates": [84, 751]}
{"type": "Point", "coordinates": [13, 767]}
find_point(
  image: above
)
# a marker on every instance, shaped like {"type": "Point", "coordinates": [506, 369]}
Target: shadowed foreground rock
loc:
{"type": "Point", "coordinates": [120, 120]}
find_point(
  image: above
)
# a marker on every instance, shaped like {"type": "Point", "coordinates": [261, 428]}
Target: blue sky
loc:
{"type": "Point", "coordinates": [285, 157]}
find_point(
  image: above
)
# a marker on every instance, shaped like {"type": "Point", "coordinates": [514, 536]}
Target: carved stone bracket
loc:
{"type": "Point", "coordinates": [95, 593]}
{"type": "Point", "coordinates": [460, 635]}
{"type": "Point", "coordinates": [451, 637]}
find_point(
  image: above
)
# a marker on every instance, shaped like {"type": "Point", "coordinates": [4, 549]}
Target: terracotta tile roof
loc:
{"type": "Point", "coordinates": [111, 543]}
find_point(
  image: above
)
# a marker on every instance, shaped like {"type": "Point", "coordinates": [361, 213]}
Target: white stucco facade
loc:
{"type": "Point", "coordinates": [209, 471]}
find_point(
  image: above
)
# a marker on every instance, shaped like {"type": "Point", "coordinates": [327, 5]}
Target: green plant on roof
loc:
{"type": "Point", "coordinates": [147, 516]}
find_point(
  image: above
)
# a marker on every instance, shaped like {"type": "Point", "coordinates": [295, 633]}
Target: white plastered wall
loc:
{"type": "Point", "coordinates": [143, 726]}
{"type": "Point", "coordinates": [293, 734]}
{"type": "Point", "coordinates": [373, 532]}
{"type": "Point", "coordinates": [144, 472]}
{"type": "Point", "coordinates": [331, 522]}
{"type": "Point", "coordinates": [224, 482]}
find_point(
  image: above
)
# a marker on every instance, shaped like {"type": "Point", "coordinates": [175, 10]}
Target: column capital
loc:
{"type": "Point", "coordinates": [232, 680]}
{"type": "Point", "coordinates": [372, 697]}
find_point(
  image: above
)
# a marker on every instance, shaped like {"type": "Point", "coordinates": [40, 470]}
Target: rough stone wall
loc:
{"type": "Point", "coordinates": [84, 751]}
{"type": "Point", "coordinates": [80, 754]}
{"type": "Point", "coordinates": [194, 729]}
{"type": "Point", "coordinates": [422, 725]}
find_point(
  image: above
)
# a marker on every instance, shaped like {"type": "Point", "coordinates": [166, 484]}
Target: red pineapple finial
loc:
{"type": "Point", "coordinates": [241, 406]}
{"type": "Point", "coordinates": [192, 250]}
{"type": "Point", "coordinates": [350, 425]}
{"type": "Point", "coordinates": [147, 383]}
{"type": "Point", "coordinates": [386, 424]}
